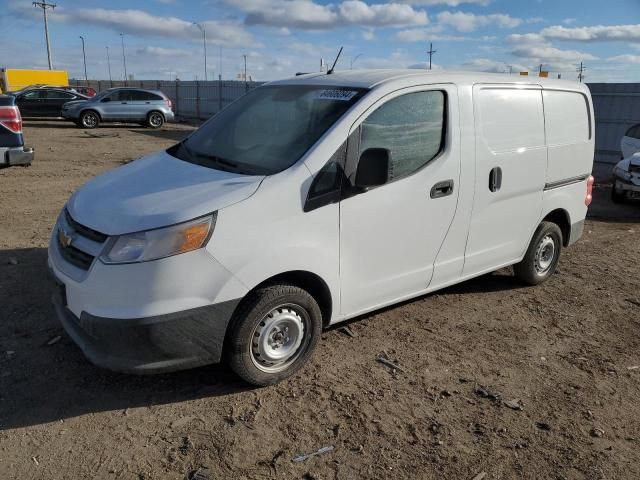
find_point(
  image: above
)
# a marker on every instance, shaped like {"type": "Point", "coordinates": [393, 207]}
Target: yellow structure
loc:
{"type": "Point", "coordinates": [15, 79]}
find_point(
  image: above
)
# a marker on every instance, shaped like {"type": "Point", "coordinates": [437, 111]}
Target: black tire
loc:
{"type": "Point", "coordinates": [273, 303]}
{"type": "Point", "coordinates": [617, 196]}
{"type": "Point", "coordinates": [536, 266]}
{"type": "Point", "coordinates": [89, 119]}
{"type": "Point", "coordinates": [155, 120]}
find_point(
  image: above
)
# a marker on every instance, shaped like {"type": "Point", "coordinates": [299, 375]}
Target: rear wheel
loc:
{"type": "Point", "coordinates": [542, 256]}
{"type": "Point", "coordinates": [155, 120]}
{"type": "Point", "coordinates": [89, 119]}
{"type": "Point", "coordinates": [273, 334]}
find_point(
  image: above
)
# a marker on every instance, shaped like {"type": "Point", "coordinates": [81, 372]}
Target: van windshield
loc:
{"type": "Point", "coordinates": [267, 130]}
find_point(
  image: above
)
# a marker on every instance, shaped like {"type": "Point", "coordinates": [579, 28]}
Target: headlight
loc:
{"type": "Point", "coordinates": [618, 172]}
{"type": "Point", "coordinates": [159, 243]}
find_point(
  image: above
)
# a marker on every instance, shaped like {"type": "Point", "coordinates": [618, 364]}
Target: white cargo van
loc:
{"type": "Point", "coordinates": [313, 200]}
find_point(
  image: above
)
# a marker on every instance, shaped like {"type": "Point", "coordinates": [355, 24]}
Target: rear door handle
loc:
{"type": "Point", "coordinates": [442, 189]}
{"type": "Point", "coordinates": [495, 179]}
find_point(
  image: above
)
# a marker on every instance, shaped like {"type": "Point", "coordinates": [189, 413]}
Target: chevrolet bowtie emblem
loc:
{"type": "Point", "coordinates": [64, 238]}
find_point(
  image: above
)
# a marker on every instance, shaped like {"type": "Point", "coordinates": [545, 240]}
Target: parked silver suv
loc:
{"type": "Point", "coordinates": [148, 107]}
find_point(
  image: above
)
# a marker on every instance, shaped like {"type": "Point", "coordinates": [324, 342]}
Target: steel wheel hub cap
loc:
{"type": "Point", "coordinates": [155, 120]}
{"type": "Point", "coordinates": [277, 339]}
{"type": "Point", "coordinates": [545, 254]}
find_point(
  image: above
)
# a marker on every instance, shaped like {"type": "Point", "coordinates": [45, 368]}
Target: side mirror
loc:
{"type": "Point", "coordinates": [105, 99]}
{"type": "Point", "coordinates": [373, 168]}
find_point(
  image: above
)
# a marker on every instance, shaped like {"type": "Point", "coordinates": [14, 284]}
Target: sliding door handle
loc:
{"type": "Point", "coordinates": [442, 189]}
{"type": "Point", "coordinates": [495, 179]}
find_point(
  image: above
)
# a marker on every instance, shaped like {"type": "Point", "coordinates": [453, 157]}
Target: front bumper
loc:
{"type": "Point", "coordinates": [161, 343]}
{"type": "Point", "coordinates": [18, 156]}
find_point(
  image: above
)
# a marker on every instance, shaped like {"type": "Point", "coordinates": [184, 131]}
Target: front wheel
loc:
{"type": "Point", "coordinates": [542, 256]}
{"type": "Point", "coordinates": [89, 119]}
{"type": "Point", "coordinates": [273, 334]}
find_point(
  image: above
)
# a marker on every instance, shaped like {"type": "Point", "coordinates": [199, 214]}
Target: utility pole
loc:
{"type": "Point", "coordinates": [44, 6]}
{"type": "Point", "coordinates": [204, 44]}
{"type": "Point", "coordinates": [580, 71]}
{"type": "Point", "coordinates": [246, 85]}
{"type": "Point", "coordinates": [431, 52]}
{"type": "Point", "coordinates": [84, 57]}
{"type": "Point", "coordinates": [510, 69]}
{"type": "Point", "coordinates": [124, 59]}
{"type": "Point", "coordinates": [540, 69]}
{"type": "Point", "coordinates": [109, 67]}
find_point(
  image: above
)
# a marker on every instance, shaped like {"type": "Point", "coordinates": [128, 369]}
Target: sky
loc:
{"type": "Point", "coordinates": [282, 37]}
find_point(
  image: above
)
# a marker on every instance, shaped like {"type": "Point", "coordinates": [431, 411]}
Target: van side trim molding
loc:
{"type": "Point", "coordinates": [565, 182]}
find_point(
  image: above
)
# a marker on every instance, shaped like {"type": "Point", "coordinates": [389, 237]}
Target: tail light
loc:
{"type": "Point", "coordinates": [589, 197]}
{"type": "Point", "coordinates": [10, 118]}
{"type": "Point", "coordinates": [169, 104]}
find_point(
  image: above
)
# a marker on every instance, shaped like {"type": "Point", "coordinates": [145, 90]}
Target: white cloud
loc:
{"type": "Point", "coordinates": [629, 33]}
{"type": "Point", "coordinates": [449, 3]}
{"type": "Point", "coordinates": [549, 54]}
{"type": "Point", "coordinates": [369, 35]}
{"type": "Point", "coordinates": [308, 15]}
{"type": "Point", "coordinates": [625, 59]}
{"type": "Point", "coordinates": [163, 52]}
{"type": "Point", "coordinates": [488, 65]}
{"type": "Point", "coordinates": [535, 50]}
{"type": "Point", "coordinates": [468, 22]}
{"type": "Point", "coordinates": [143, 24]}
{"type": "Point", "coordinates": [426, 35]}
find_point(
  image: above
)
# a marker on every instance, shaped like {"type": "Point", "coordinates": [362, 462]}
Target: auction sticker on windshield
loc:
{"type": "Point", "coordinates": [336, 94]}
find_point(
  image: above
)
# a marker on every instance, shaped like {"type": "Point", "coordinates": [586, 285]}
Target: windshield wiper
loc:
{"type": "Point", "coordinates": [221, 162]}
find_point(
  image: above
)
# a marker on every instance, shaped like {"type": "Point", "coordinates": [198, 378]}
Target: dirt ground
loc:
{"type": "Point", "coordinates": [496, 378]}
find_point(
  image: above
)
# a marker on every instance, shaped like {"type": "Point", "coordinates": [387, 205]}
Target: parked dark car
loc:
{"type": "Point", "coordinates": [45, 101]}
{"type": "Point", "coordinates": [12, 149]}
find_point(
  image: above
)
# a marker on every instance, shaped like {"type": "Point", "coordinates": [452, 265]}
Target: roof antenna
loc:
{"type": "Point", "coordinates": [330, 71]}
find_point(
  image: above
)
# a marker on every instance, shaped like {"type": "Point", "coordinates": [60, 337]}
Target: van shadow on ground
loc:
{"type": "Point", "coordinates": [41, 383]}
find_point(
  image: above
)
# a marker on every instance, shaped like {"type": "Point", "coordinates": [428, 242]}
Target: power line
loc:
{"type": "Point", "coordinates": [431, 52]}
{"type": "Point", "coordinates": [45, 6]}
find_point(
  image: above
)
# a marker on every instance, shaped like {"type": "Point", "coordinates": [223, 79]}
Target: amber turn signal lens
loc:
{"type": "Point", "coordinates": [193, 237]}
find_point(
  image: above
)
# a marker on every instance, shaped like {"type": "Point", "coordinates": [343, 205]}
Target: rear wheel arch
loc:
{"type": "Point", "coordinates": [561, 218]}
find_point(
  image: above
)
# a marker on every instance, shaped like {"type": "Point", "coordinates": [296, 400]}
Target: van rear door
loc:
{"type": "Point", "coordinates": [511, 163]}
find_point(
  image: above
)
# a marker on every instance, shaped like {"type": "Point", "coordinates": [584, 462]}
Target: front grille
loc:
{"type": "Point", "coordinates": [76, 257]}
{"type": "Point", "coordinates": [85, 231]}
{"type": "Point", "coordinates": [80, 245]}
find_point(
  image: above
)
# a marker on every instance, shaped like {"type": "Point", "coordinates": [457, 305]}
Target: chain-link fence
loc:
{"type": "Point", "coordinates": [191, 99]}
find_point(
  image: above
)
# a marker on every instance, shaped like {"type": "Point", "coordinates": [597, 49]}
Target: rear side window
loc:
{"type": "Point", "coordinates": [59, 95]}
{"type": "Point", "coordinates": [567, 117]}
{"type": "Point", "coordinates": [34, 95]}
{"type": "Point", "coordinates": [511, 119]}
{"type": "Point", "coordinates": [411, 127]}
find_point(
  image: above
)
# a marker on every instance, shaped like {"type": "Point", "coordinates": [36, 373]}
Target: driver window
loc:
{"type": "Point", "coordinates": [411, 127]}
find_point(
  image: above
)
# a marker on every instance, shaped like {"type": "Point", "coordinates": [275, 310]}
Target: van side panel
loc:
{"type": "Point", "coordinates": [269, 234]}
{"type": "Point", "coordinates": [569, 133]}
{"type": "Point", "coordinates": [511, 151]}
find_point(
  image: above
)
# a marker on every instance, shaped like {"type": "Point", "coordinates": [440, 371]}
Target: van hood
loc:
{"type": "Point", "coordinates": [156, 191]}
